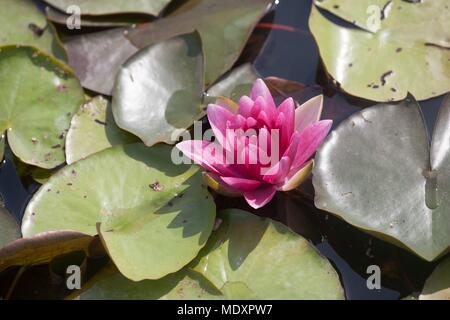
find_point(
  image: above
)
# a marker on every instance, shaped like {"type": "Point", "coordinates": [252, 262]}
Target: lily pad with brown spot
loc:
{"type": "Point", "coordinates": [39, 96]}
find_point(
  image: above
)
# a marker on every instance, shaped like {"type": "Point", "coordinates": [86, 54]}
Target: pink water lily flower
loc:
{"type": "Point", "coordinates": [259, 148]}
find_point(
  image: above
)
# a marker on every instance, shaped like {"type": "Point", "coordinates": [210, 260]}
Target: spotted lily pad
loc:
{"type": "Point", "coordinates": [378, 172]}
{"type": "Point", "coordinates": [159, 92]}
{"type": "Point", "coordinates": [39, 97]}
{"type": "Point", "coordinates": [253, 257]}
{"type": "Point", "coordinates": [153, 216]}
{"type": "Point", "coordinates": [93, 129]}
{"type": "Point", "coordinates": [24, 24]}
{"type": "Point", "coordinates": [42, 248]}
{"type": "Point", "coordinates": [183, 285]}
{"type": "Point", "coordinates": [408, 52]}
{"type": "Point", "coordinates": [9, 229]}
{"type": "Point", "coordinates": [103, 7]}
{"type": "Point", "coordinates": [437, 286]}
{"type": "Point", "coordinates": [224, 27]}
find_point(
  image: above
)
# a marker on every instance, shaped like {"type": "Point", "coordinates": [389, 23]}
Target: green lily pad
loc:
{"type": "Point", "coordinates": [97, 57]}
{"type": "Point", "coordinates": [408, 53]}
{"type": "Point", "coordinates": [224, 27]}
{"type": "Point", "coordinates": [24, 24]}
{"type": "Point", "coordinates": [363, 14]}
{"type": "Point", "coordinates": [154, 216]}
{"type": "Point", "coordinates": [39, 97]}
{"type": "Point", "coordinates": [109, 21]}
{"type": "Point", "coordinates": [376, 171]}
{"type": "Point", "coordinates": [42, 248]}
{"type": "Point", "coordinates": [9, 229]}
{"type": "Point", "coordinates": [437, 286]}
{"type": "Point", "coordinates": [250, 257]}
{"type": "Point", "coordinates": [160, 89]}
{"type": "Point", "coordinates": [183, 285]}
{"type": "Point", "coordinates": [93, 129]}
{"type": "Point", "coordinates": [102, 7]}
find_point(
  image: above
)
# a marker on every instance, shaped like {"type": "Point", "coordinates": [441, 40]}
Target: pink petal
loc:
{"type": "Point", "coordinates": [278, 172]}
{"type": "Point", "coordinates": [287, 108]}
{"type": "Point", "coordinates": [260, 90]}
{"type": "Point", "coordinates": [215, 182]}
{"type": "Point", "coordinates": [308, 113]}
{"type": "Point", "coordinates": [310, 139]}
{"type": "Point", "coordinates": [245, 106]}
{"type": "Point", "coordinates": [203, 153]}
{"type": "Point", "coordinates": [291, 150]}
{"type": "Point", "coordinates": [242, 184]}
{"type": "Point", "coordinates": [260, 197]}
{"type": "Point", "coordinates": [218, 117]}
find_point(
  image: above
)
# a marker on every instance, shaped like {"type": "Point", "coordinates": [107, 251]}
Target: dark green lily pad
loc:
{"type": "Point", "coordinates": [160, 89]}
{"type": "Point", "coordinates": [437, 286]}
{"type": "Point", "coordinates": [408, 52]}
{"type": "Point", "coordinates": [42, 248]}
{"type": "Point", "coordinates": [153, 216]}
{"type": "Point", "coordinates": [39, 97]}
{"type": "Point", "coordinates": [24, 24]}
{"type": "Point", "coordinates": [102, 7]}
{"type": "Point", "coordinates": [9, 229]}
{"type": "Point", "coordinates": [376, 171]}
{"type": "Point", "coordinates": [252, 257]}
{"type": "Point", "coordinates": [92, 130]}
{"type": "Point", "coordinates": [224, 27]}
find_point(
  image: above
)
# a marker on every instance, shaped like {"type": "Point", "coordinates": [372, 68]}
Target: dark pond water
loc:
{"type": "Point", "coordinates": [290, 52]}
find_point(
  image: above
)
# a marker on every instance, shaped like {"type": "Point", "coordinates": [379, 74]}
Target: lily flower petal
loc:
{"type": "Point", "coordinates": [308, 113]}
{"type": "Point", "coordinates": [241, 184]}
{"type": "Point", "coordinates": [310, 139]}
{"type": "Point", "coordinates": [298, 178]}
{"type": "Point", "coordinates": [260, 90]}
{"type": "Point", "coordinates": [260, 197]}
{"type": "Point", "coordinates": [218, 118]}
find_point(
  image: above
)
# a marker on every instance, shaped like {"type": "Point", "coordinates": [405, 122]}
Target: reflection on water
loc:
{"type": "Point", "coordinates": [291, 53]}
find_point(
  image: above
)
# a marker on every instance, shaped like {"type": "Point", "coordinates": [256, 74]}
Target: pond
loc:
{"type": "Point", "coordinates": [290, 52]}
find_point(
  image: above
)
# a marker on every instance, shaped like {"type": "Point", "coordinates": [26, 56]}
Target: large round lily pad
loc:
{"type": "Point", "coordinates": [39, 97]}
{"type": "Point", "coordinates": [252, 257]}
{"type": "Point", "coordinates": [376, 171]}
{"type": "Point", "coordinates": [102, 7]}
{"type": "Point", "coordinates": [9, 229]}
{"type": "Point", "coordinates": [93, 129]}
{"type": "Point", "coordinates": [24, 24]}
{"type": "Point", "coordinates": [437, 286]}
{"type": "Point", "coordinates": [183, 285]}
{"type": "Point", "coordinates": [153, 216]}
{"type": "Point", "coordinates": [407, 52]}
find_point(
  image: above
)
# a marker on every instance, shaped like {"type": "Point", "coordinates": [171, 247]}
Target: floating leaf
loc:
{"type": "Point", "coordinates": [96, 58]}
{"type": "Point", "coordinates": [366, 14]}
{"type": "Point", "coordinates": [183, 285]}
{"type": "Point", "coordinates": [409, 53]}
{"type": "Point", "coordinates": [160, 89]}
{"type": "Point", "coordinates": [102, 7]}
{"type": "Point", "coordinates": [374, 172]}
{"type": "Point", "coordinates": [255, 257]}
{"type": "Point", "coordinates": [109, 21]}
{"type": "Point", "coordinates": [42, 248]}
{"type": "Point", "coordinates": [9, 229]}
{"type": "Point", "coordinates": [437, 286]}
{"type": "Point", "coordinates": [39, 97]}
{"type": "Point", "coordinates": [93, 129]}
{"type": "Point", "coordinates": [23, 24]}
{"type": "Point", "coordinates": [154, 215]}
{"type": "Point", "coordinates": [224, 27]}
